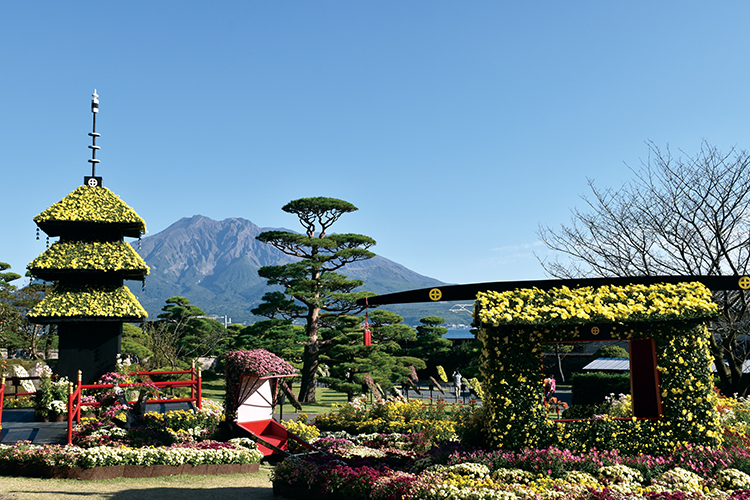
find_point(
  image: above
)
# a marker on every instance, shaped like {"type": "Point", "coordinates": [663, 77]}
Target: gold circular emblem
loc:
{"type": "Point", "coordinates": [594, 330]}
{"type": "Point", "coordinates": [745, 282]}
{"type": "Point", "coordinates": [435, 294]}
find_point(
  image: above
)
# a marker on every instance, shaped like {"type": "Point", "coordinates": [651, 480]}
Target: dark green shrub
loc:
{"type": "Point", "coordinates": [611, 351]}
{"type": "Point", "coordinates": [470, 425]}
{"type": "Point", "coordinates": [592, 388]}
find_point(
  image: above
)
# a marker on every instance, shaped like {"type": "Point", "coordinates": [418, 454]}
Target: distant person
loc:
{"type": "Point", "coordinates": [457, 383]}
{"type": "Point", "coordinates": [550, 387]}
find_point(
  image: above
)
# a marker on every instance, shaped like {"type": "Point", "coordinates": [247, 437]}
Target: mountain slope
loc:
{"type": "Point", "coordinates": [215, 265]}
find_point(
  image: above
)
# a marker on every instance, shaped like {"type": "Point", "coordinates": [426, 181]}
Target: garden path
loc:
{"type": "Point", "coordinates": [18, 425]}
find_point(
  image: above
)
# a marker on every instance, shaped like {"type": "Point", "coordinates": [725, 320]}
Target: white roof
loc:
{"type": "Point", "coordinates": [609, 364]}
{"type": "Point", "coordinates": [623, 364]}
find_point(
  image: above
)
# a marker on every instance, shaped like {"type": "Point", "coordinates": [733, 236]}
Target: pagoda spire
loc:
{"type": "Point", "coordinates": [93, 180]}
{"type": "Point", "coordinates": [88, 301]}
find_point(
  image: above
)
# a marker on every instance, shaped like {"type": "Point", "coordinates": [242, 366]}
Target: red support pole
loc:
{"type": "Point", "coordinates": [70, 412]}
{"type": "Point", "coordinates": [192, 380]}
{"type": "Point", "coordinates": [80, 398]}
{"type": "Point", "coordinates": [2, 399]}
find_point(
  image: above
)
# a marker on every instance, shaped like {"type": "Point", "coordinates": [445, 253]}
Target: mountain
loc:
{"type": "Point", "coordinates": [215, 265]}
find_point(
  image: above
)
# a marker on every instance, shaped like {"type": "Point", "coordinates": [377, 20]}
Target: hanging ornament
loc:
{"type": "Point", "coordinates": [139, 244]}
{"type": "Point", "coordinates": [47, 242]}
{"type": "Point", "coordinates": [37, 233]}
{"type": "Point", "coordinates": [367, 336]}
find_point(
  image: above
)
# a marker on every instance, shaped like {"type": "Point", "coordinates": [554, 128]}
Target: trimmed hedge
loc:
{"type": "Point", "coordinates": [592, 388]}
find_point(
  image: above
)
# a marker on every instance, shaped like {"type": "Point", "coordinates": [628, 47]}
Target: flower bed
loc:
{"type": "Point", "coordinates": [434, 419]}
{"type": "Point", "coordinates": [378, 472]}
{"type": "Point", "coordinates": [23, 458]}
{"type": "Point", "coordinates": [116, 442]}
{"type": "Point", "coordinates": [419, 466]}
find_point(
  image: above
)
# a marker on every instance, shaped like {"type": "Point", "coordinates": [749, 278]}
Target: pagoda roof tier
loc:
{"type": "Point", "coordinates": [66, 258]}
{"type": "Point", "coordinates": [88, 303]}
{"type": "Point", "coordinates": [90, 207]}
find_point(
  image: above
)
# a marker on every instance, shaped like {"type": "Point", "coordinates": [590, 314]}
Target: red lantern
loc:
{"type": "Point", "coordinates": [367, 338]}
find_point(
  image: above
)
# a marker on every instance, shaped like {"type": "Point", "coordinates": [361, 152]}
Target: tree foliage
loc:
{"type": "Point", "coordinates": [9, 316]}
{"type": "Point", "coordinates": [278, 336]}
{"type": "Point", "coordinates": [182, 333]}
{"type": "Point", "coordinates": [312, 280]}
{"type": "Point", "coordinates": [349, 361]}
{"type": "Point", "coordinates": [430, 345]}
{"type": "Point", "coordinates": [611, 351]}
{"type": "Point", "coordinates": [135, 343]}
{"type": "Point", "coordinates": [37, 340]}
{"type": "Point", "coordinates": [685, 215]}
{"type": "Point", "coordinates": [16, 331]}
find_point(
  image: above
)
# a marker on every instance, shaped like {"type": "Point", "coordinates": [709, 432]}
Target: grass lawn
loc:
{"type": "Point", "coordinates": [214, 389]}
{"type": "Point", "coordinates": [230, 487]}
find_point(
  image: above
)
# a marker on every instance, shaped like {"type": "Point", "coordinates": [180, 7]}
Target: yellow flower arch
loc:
{"type": "Point", "coordinates": [515, 324]}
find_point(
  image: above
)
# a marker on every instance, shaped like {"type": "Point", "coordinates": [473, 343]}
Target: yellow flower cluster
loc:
{"type": "Point", "coordinates": [606, 304]}
{"type": "Point", "coordinates": [306, 431]}
{"type": "Point", "coordinates": [90, 256]}
{"type": "Point", "coordinates": [89, 301]}
{"type": "Point", "coordinates": [91, 204]}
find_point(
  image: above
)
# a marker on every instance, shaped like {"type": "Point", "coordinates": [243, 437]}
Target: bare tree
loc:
{"type": "Point", "coordinates": [678, 216]}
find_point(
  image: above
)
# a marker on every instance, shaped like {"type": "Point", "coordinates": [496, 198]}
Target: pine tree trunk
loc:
{"type": "Point", "coordinates": [309, 373]}
{"type": "Point", "coordinates": [310, 358]}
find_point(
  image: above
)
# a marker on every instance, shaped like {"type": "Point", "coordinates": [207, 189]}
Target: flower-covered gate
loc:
{"type": "Point", "coordinates": [665, 323]}
{"type": "Point", "coordinates": [662, 316]}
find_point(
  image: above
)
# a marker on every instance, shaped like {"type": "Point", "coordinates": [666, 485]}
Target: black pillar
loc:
{"type": "Point", "coordinates": [91, 347]}
{"type": "Point", "coordinates": [644, 379]}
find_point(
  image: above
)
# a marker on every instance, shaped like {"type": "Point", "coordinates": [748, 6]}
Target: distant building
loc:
{"type": "Point", "coordinates": [459, 335]}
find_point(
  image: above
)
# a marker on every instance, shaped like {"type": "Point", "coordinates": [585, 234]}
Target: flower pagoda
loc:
{"type": "Point", "coordinates": [88, 265]}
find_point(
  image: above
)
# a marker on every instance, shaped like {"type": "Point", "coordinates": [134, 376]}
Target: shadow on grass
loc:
{"type": "Point", "coordinates": [255, 486]}
{"type": "Point", "coordinates": [177, 493]}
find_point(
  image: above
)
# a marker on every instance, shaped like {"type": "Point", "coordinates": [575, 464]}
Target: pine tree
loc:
{"type": "Point", "coordinates": [313, 280]}
{"type": "Point", "coordinates": [430, 346]}
{"type": "Point", "coordinates": [349, 361]}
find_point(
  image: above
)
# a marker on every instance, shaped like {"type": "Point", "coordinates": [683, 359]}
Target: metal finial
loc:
{"type": "Point", "coordinates": [93, 181]}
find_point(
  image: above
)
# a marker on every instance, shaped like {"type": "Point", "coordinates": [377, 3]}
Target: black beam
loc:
{"type": "Point", "coordinates": [469, 291]}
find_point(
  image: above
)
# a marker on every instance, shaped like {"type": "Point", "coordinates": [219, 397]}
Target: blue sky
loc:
{"type": "Point", "coordinates": [456, 128]}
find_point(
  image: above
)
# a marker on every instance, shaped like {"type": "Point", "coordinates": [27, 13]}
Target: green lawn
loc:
{"type": "Point", "coordinates": [214, 389]}
{"type": "Point", "coordinates": [185, 487]}
{"type": "Point", "coordinates": [325, 399]}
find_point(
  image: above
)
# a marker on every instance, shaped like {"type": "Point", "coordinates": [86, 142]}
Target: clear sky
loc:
{"type": "Point", "coordinates": [456, 128]}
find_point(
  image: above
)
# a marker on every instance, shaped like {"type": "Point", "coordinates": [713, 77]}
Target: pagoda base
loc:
{"type": "Point", "coordinates": [91, 347]}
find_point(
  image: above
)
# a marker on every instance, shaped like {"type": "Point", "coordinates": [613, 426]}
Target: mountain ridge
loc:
{"type": "Point", "coordinates": [214, 264]}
